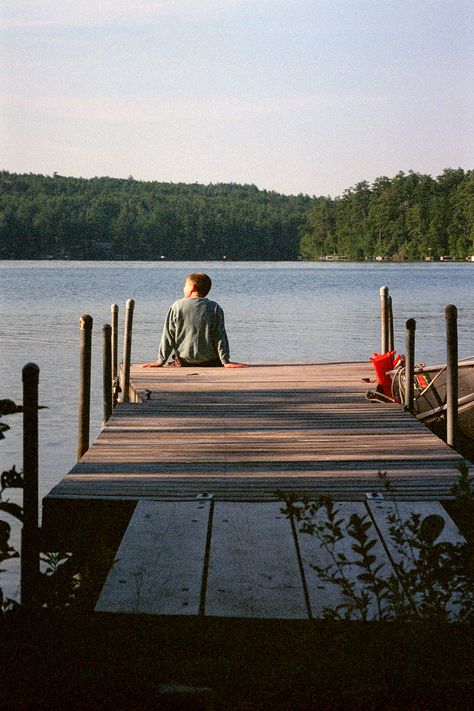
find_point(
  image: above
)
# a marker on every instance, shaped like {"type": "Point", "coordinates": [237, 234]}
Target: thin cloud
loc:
{"type": "Point", "coordinates": [139, 110]}
{"type": "Point", "coordinates": [30, 14]}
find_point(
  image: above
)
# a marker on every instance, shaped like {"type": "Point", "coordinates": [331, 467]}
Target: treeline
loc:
{"type": "Point", "coordinates": [410, 216]}
{"type": "Point", "coordinates": [106, 218]}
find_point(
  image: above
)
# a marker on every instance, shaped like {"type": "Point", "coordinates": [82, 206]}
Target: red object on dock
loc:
{"type": "Point", "coordinates": [383, 363]}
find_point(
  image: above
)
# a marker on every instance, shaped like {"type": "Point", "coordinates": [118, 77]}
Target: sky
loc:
{"type": "Point", "coordinates": [296, 96]}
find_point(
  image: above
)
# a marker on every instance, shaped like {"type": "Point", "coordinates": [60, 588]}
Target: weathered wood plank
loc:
{"type": "Point", "coordinates": [428, 482]}
{"type": "Point", "coordinates": [253, 566]}
{"type": "Point", "coordinates": [159, 564]}
{"type": "Point", "coordinates": [324, 594]}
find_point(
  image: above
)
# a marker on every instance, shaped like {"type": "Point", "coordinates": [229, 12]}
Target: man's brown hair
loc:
{"type": "Point", "coordinates": [202, 283]}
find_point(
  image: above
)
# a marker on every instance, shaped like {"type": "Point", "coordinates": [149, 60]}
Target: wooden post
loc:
{"type": "Point", "coordinates": [114, 314]}
{"type": "Point", "coordinates": [84, 385]}
{"type": "Point", "coordinates": [127, 350]}
{"type": "Point", "coordinates": [451, 314]}
{"type": "Point", "coordinates": [30, 565]}
{"type": "Point", "coordinates": [391, 335]}
{"type": "Point", "coordinates": [107, 372]}
{"type": "Point", "coordinates": [384, 319]}
{"type": "Point", "coordinates": [410, 364]}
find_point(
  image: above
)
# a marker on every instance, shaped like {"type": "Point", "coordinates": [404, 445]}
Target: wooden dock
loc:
{"type": "Point", "coordinates": [243, 434]}
{"type": "Point", "coordinates": [206, 453]}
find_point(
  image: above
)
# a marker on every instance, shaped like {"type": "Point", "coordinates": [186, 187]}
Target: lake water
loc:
{"type": "Point", "coordinates": [274, 312]}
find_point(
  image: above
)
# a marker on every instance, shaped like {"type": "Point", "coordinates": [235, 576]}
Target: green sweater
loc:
{"type": "Point", "coordinates": [194, 329]}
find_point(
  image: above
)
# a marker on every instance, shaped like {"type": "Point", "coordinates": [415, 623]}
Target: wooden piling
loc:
{"type": "Point", "coordinates": [114, 322]}
{"type": "Point", "coordinates": [84, 385]}
{"type": "Point", "coordinates": [30, 567]}
{"type": "Point", "coordinates": [127, 350]}
{"type": "Point", "coordinates": [451, 314]}
{"type": "Point", "coordinates": [384, 319]}
{"type": "Point", "coordinates": [410, 364]}
{"type": "Point", "coordinates": [107, 372]}
{"type": "Point", "coordinates": [391, 335]}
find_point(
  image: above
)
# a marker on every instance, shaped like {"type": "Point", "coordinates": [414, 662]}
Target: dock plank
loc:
{"type": "Point", "coordinates": [253, 567]}
{"type": "Point", "coordinates": [159, 565]}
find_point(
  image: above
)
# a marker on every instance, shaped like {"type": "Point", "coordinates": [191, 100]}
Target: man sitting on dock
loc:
{"type": "Point", "coordinates": [194, 329]}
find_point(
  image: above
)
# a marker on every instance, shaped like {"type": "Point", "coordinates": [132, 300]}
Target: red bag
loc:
{"type": "Point", "coordinates": [382, 364]}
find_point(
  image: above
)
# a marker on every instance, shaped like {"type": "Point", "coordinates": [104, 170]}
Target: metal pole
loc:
{"type": "Point", "coordinates": [127, 350]}
{"type": "Point", "coordinates": [391, 336]}
{"type": "Point", "coordinates": [84, 385]}
{"type": "Point", "coordinates": [107, 372]}
{"type": "Point", "coordinates": [410, 364]}
{"type": "Point", "coordinates": [384, 319]}
{"type": "Point", "coordinates": [451, 314]}
{"type": "Point", "coordinates": [30, 566]}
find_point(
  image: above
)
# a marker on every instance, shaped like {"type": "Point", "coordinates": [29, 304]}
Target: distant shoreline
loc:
{"type": "Point", "coordinates": [322, 260]}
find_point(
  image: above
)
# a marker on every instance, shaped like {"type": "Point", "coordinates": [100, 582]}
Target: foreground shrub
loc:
{"type": "Point", "coordinates": [431, 579]}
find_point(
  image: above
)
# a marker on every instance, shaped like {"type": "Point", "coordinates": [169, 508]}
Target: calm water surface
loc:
{"type": "Point", "coordinates": [274, 312]}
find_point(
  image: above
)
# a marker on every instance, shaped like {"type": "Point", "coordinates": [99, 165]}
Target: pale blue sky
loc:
{"type": "Point", "coordinates": [292, 95]}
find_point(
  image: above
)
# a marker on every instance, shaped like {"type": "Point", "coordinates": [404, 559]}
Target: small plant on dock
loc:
{"type": "Point", "coordinates": [8, 479]}
{"type": "Point", "coordinates": [6, 550]}
{"type": "Point", "coordinates": [462, 508]}
{"type": "Point", "coordinates": [57, 585]}
{"type": "Point", "coordinates": [59, 582]}
{"type": "Point", "coordinates": [429, 579]}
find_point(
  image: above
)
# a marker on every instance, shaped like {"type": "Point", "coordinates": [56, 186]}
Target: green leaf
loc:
{"type": "Point", "coordinates": [12, 509]}
{"type": "Point", "coordinates": [431, 527]}
{"type": "Point", "coordinates": [11, 479]}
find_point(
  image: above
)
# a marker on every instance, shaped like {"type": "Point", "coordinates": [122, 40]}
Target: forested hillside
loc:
{"type": "Point", "coordinates": [108, 218]}
{"type": "Point", "coordinates": [409, 216]}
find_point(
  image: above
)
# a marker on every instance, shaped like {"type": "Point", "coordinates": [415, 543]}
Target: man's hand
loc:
{"type": "Point", "coordinates": [155, 364]}
{"type": "Point", "coordinates": [235, 365]}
